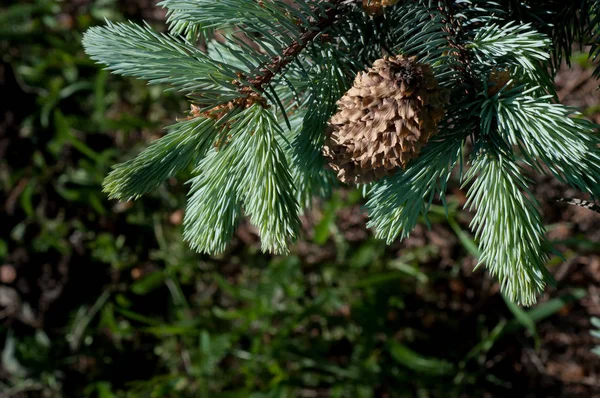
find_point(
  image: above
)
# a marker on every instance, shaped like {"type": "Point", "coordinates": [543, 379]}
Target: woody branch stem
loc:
{"type": "Point", "coordinates": [268, 71]}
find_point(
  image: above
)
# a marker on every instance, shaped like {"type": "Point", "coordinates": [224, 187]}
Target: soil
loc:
{"type": "Point", "coordinates": [563, 366]}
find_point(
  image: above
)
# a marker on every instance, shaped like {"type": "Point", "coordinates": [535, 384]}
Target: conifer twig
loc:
{"type": "Point", "coordinates": [581, 203]}
{"type": "Point", "coordinates": [454, 30]}
{"type": "Point", "coordinates": [269, 70]}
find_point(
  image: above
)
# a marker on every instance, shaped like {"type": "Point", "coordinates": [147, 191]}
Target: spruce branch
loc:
{"type": "Point", "coordinates": [520, 49]}
{"type": "Point", "coordinates": [201, 18]}
{"type": "Point", "coordinates": [550, 135]}
{"type": "Point", "coordinates": [595, 332]}
{"type": "Point", "coordinates": [290, 56]}
{"type": "Point", "coordinates": [269, 70]}
{"type": "Point", "coordinates": [395, 203]}
{"type": "Point", "coordinates": [185, 143]}
{"type": "Point", "coordinates": [208, 15]}
{"type": "Point", "coordinates": [132, 50]}
{"type": "Point", "coordinates": [265, 182]}
{"type": "Point", "coordinates": [567, 23]}
{"type": "Point", "coordinates": [416, 30]}
{"type": "Point", "coordinates": [327, 82]}
{"type": "Point", "coordinates": [213, 209]}
{"type": "Point", "coordinates": [252, 85]}
{"type": "Point", "coordinates": [508, 226]}
{"type": "Point", "coordinates": [518, 41]}
{"type": "Point", "coordinates": [456, 41]}
{"type": "Point", "coordinates": [594, 24]}
{"type": "Point", "coordinates": [249, 171]}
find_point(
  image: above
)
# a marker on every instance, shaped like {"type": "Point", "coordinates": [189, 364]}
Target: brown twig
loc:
{"type": "Point", "coordinates": [268, 71]}
{"type": "Point", "coordinates": [252, 88]}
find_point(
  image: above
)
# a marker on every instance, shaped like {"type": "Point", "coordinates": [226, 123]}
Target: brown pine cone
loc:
{"type": "Point", "coordinates": [382, 122]}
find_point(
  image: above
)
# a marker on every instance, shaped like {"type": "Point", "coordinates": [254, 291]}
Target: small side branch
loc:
{"type": "Point", "coordinates": [268, 71]}
{"type": "Point", "coordinates": [271, 69]}
{"type": "Point", "coordinates": [252, 87]}
{"type": "Point", "coordinates": [455, 33]}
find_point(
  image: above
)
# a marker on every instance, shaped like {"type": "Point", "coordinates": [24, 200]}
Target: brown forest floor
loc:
{"type": "Point", "coordinates": [563, 366]}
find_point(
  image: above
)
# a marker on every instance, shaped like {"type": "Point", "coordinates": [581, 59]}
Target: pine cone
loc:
{"type": "Point", "coordinates": [375, 7]}
{"type": "Point", "coordinates": [382, 122]}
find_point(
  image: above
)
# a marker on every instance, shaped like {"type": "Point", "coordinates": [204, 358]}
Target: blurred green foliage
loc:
{"type": "Point", "coordinates": [108, 301]}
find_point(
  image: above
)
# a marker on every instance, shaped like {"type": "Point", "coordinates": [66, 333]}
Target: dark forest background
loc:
{"type": "Point", "coordinates": [103, 299]}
